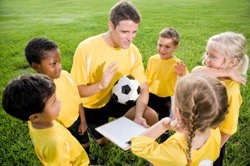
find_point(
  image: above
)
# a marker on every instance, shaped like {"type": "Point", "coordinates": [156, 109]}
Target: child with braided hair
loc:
{"type": "Point", "coordinates": [199, 106]}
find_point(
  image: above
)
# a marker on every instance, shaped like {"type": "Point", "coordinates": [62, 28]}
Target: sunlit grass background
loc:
{"type": "Point", "coordinates": [68, 22]}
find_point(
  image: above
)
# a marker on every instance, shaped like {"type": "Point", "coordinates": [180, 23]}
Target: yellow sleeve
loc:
{"type": "Point", "coordinates": [168, 153]}
{"type": "Point", "coordinates": [229, 125]}
{"type": "Point", "coordinates": [79, 65]}
{"type": "Point", "coordinates": [138, 69]}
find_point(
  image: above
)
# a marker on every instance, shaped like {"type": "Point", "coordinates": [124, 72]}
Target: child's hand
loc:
{"type": "Point", "coordinates": [174, 125]}
{"type": "Point", "coordinates": [82, 128]}
{"type": "Point", "coordinates": [180, 69]}
{"type": "Point", "coordinates": [235, 75]}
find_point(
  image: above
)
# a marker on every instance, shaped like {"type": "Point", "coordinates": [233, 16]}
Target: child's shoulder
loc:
{"type": "Point", "coordinates": [65, 77]}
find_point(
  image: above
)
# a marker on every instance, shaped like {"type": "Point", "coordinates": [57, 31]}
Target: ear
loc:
{"type": "Point", "coordinates": [177, 46]}
{"type": "Point", "coordinates": [34, 118]}
{"type": "Point", "coordinates": [111, 26]}
{"type": "Point", "coordinates": [233, 62]}
{"type": "Point", "coordinates": [35, 66]}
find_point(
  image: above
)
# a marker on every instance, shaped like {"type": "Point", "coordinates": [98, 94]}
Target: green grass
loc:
{"type": "Point", "coordinates": [67, 22]}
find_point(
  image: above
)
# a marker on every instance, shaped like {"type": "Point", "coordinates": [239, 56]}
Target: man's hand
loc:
{"type": "Point", "coordinates": [108, 75]}
{"type": "Point", "coordinates": [141, 121]}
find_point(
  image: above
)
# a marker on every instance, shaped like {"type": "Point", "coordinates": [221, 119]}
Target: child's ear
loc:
{"type": "Point", "coordinates": [177, 46]}
{"type": "Point", "coordinates": [35, 66]}
{"type": "Point", "coordinates": [233, 62]}
{"type": "Point", "coordinates": [34, 118]}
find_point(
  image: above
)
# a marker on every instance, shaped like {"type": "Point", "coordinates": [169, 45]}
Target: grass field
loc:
{"type": "Point", "coordinates": [67, 22]}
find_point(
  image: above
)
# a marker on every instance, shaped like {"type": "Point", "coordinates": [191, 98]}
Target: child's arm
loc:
{"type": "Point", "coordinates": [160, 127]}
{"type": "Point", "coordinates": [232, 73]}
{"type": "Point", "coordinates": [224, 138]}
{"type": "Point", "coordinates": [83, 125]}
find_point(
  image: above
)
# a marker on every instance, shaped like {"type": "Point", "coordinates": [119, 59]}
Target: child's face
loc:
{"type": "Point", "coordinates": [215, 59]}
{"type": "Point", "coordinates": [166, 48]}
{"type": "Point", "coordinates": [51, 110]}
{"type": "Point", "coordinates": [51, 65]}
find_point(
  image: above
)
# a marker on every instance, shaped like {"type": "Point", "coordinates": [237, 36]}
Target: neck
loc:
{"type": "Point", "coordinates": [109, 40]}
{"type": "Point", "coordinates": [199, 139]}
{"type": "Point", "coordinates": [42, 125]}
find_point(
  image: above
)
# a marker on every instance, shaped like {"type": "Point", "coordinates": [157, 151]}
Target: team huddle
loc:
{"type": "Point", "coordinates": [63, 109]}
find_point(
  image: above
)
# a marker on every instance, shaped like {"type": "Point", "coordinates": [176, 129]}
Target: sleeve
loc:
{"type": "Point", "coordinates": [138, 68]}
{"type": "Point", "coordinates": [79, 66]}
{"type": "Point", "coordinates": [158, 154]}
{"type": "Point", "coordinates": [229, 125]}
{"type": "Point", "coordinates": [147, 72]}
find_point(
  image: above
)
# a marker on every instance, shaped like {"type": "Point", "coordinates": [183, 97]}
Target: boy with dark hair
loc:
{"type": "Point", "coordinates": [31, 97]}
{"type": "Point", "coordinates": [44, 57]}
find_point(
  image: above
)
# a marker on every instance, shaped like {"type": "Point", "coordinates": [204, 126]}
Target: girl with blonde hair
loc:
{"type": "Point", "coordinates": [226, 54]}
{"type": "Point", "coordinates": [200, 105]}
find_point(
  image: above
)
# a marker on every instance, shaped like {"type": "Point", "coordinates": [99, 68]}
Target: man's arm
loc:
{"type": "Point", "coordinates": [141, 105]}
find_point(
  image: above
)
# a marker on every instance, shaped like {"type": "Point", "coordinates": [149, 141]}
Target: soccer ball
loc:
{"type": "Point", "coordinates": [126, 90]}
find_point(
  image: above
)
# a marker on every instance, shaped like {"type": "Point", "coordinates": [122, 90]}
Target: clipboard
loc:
{"type": "Point", "coordinates": [120, 131]}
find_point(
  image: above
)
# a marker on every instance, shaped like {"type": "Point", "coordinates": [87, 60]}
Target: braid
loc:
{"type": "Point", "coordinates": [201, 103]}
{"type": "Point", "coordinates": [191, 130]}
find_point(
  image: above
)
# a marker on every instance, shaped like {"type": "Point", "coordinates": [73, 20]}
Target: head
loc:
{"type": "Point", "coordinates": [227, 50]}
{"type": "Point", "coordinates": [30, 95]}
{"type": "Point", "coordinates": [200, 103]}
{"type": "Point", "coordinates": [168, 42]}
{"type": "Point", "coordinates": [124, 20]}
{"type": "Point", "coordinates": [44, 57]}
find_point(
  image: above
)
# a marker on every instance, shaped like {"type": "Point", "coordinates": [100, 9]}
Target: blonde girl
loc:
{"type": "Point", "coordinates": [225, 54]}
{"type": "Point", "coordinates": [200, 105]}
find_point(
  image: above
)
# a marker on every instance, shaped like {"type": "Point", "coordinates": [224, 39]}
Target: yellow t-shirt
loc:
{"type": "Point", "coordinates": [229, 125]}
{"type": "Point", "coordinates": [91, 59]}
{"type": "Point", "coordinates": [173, 151]}
{"type": "Point", "coordinates": [67, 93]}
{"type": "Point", "coordinates": [161, 78]}
{"type": "Point", "coordinates": [56, 146]}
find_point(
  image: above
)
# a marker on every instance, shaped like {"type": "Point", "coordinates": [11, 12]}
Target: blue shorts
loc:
{"type": "Point", "coordinates": [100, 116]}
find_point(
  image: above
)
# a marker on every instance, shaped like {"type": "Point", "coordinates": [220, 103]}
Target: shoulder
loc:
{"type": "Point", "coordinates": [91, 41]}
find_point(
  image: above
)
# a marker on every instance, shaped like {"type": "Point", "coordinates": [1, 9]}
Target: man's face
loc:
{"type": "Point", "coordinates": [123, 34]}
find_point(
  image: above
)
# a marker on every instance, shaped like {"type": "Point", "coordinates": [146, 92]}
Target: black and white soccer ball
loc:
{"type": "Point", "coordinates": [126, 90]}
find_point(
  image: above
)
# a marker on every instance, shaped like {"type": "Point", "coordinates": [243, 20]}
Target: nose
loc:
{"type": "Point", "coordinates": [130, 37]}
{"type": "Point", "coordinates": [59, 66]}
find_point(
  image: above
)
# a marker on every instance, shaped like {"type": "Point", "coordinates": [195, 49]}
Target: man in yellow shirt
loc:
{"type": "Point", "coordinates": [101, 60]}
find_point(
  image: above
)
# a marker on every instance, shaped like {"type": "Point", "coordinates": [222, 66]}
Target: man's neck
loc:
{"type": "Point", "coordinates": [109, 40]}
